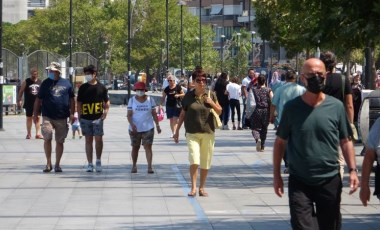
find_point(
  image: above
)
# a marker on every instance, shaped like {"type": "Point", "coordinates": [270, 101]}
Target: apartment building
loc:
{"type": "Point", "coordinates": [227, 17]}
{"type": "Point", "coordinates": [17, 10]}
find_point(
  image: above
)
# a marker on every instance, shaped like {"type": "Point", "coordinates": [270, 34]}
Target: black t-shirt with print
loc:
{"type": "Point", "coordinates": [170, 99]}
{"type": "Point", "coordinates": [92, 98]}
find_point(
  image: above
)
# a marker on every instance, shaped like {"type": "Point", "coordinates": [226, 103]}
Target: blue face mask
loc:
{"type": "Point", "coordinates": [51, 75]}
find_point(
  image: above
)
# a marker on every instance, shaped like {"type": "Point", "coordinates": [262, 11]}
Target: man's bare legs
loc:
{"type": "Point", "coordinates": [29, 124]}
{"type": "Point", "coordinates": [89, 148]}
{"type": "Point", "coordinates": [99, 146]}
{"type": "Point", "coordinates": [47, 148]}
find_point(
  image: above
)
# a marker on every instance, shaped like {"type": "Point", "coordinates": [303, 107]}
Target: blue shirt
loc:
{"type": "Point", "coordinates": [55, 96]}
{"type": "Point", "coordinates": [373, 141]}
{"type": "Point", "coordinates": [285, 93]}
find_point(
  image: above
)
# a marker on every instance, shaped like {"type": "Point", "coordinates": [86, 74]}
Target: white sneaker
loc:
{"type": "Point", "coordinates": [98, 166]}
{"type": "Point", "coordinates": [258, 145]}
{"type": "Point", "coordinates": [90, 167]}
{"type": "Point", "coordinates": [226, 127]}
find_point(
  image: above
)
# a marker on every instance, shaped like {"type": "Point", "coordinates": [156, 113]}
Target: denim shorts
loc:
{"type": "Point", "coordinates": [172, 112]}
{"type": "Point", "coordinates": [92, 127]}
{"type": "Point", "coordinates": [142, 138]}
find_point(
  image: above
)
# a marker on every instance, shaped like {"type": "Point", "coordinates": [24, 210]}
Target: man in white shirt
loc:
{"type": "Point", "coordinates": [244, 86]}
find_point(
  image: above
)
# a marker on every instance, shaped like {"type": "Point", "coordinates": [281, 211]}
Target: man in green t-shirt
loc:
{"type": "Point", "coordinates": [312, 127]}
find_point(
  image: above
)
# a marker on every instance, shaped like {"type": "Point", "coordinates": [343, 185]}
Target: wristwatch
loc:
{"type": "Point", "coordinates": [353, 169]}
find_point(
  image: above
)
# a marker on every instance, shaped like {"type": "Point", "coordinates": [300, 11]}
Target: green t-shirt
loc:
{"type": "Point", "coordinates": [198, 118]}
{"type": "Point", "coordinates": [313, 135]}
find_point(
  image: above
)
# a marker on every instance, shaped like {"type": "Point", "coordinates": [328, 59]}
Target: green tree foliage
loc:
{"type": "Point", "coordinates": [338, 25]}
{"type": "Point", "coordinates": [100, 26]}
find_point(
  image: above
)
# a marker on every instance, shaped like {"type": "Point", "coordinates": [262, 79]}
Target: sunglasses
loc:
{"type": "Point", "coordinates": [201, 80]}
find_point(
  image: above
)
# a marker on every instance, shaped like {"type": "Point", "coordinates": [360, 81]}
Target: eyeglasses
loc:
{"type": "Point", "coordinates": [201, 80]}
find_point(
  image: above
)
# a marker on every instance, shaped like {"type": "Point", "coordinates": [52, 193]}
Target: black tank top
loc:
{"type": "Point", "coordinates": [31, 91]}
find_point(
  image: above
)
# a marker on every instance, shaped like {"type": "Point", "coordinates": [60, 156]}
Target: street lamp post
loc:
{"type": "Point", "coordinates": [162, 41]}
{"type": "Point", "coordinates": [71, 43]}
{"type": "Point", "coordinates": [167, 34]}
{"type": "Point", "coordinates": [200, 32]}
{"type": "Point", "coordinates": [253, 50]}
{"type": "Point", "coordinates": [106, 61]}
{"type": "Point", "coordinates": [222, 52]}
{"type": "Point", "coordinates": [237, 54]}
{"type": "Point", "coordinates": [1, 66]}
{"type": "Point", "coordinates": [129, 49]}
{"type": "Point", "coordinates": [181, 3]}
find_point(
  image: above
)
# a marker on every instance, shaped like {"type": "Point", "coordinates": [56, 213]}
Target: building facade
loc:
{"type": "Point", "coordinates": [15, 11]}
{"type": "Point", "coordinates": [227, 17]}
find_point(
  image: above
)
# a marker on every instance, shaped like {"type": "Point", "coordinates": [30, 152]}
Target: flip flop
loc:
{"type": "Point", "coordinates": [57, 169]}
{"type": "Point", "coordinates": [27, 137]}
{"type": "Point", "coordinates": [134, 170]}
{"type": "Point", "coordinates": [47, 169]}
{"type": "Point", "coordinates": [150, 171]}
{"type": "Point", "coordinates": [203, 193]}
{"type": "Point", "coordinates": [39, 136]}
{"type": "Point", "coordinates": [192, 194]}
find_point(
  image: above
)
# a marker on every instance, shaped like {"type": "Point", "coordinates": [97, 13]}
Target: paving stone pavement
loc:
{"type": "Point", "coordinates": [239, 184]}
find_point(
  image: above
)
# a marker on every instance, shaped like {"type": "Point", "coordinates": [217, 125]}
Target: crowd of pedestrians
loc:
{"type": "Point", "coordinates": [315, 115]}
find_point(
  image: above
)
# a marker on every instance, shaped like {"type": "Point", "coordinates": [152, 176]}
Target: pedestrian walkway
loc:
{"type": "Point", "coordinates": [239, 185]}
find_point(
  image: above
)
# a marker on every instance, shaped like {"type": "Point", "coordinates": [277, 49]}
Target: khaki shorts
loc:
{"type": "Point", "coordinates": [60, 126]}
{"type": "Point", "coordinates": [201, 148]}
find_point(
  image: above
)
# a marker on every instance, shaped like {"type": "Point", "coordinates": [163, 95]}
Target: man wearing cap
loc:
{"type": "Point", "coordinates": [92, 106]}
{"type": "Point", "coordinates": [56, 98]}
{"type": "Point", "coordinates": [312, 128]}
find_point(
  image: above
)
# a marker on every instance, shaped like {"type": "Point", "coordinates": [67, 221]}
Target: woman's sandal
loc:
{"type": "Point", "coordinates": [47, 169]}
{"type": "Point", "coordinates": [192, 194]}
{"type": "Point", "coordinates": [203, 193]}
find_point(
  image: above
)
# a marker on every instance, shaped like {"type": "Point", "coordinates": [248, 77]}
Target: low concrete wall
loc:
{"type": "Point", "coordinates": [120, 97]}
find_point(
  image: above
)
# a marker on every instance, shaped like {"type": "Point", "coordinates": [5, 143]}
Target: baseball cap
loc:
{"type": "Point", "coordinates": [140, 86]}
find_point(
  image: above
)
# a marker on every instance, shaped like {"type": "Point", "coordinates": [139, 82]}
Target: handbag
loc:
{"type": "Point", "coordinates": [178, 103]}
{"type": "Point", "coordinates": [250, 104]}
{"type": "Point", "coordinates": [217, 122]}
{"type": "Point", "coordinates": [160, 114]}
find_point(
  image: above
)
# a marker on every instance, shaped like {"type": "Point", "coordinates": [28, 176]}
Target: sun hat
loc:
{"type": "Point", "coordinates": [54, 66]}
{"type": "Point", "coordinates": [140, 86]}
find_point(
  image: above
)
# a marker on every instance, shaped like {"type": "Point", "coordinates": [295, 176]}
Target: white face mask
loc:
{"type": "Point", "coordinates": [88, 77]}
{"type": "Point", "coordinates": [140, 93]}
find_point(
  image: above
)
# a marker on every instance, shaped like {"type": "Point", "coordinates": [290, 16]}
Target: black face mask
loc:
{"type": "Point", "coordinates": [315, 84]}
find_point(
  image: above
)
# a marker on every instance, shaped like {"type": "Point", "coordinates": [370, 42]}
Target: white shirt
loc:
{"type": "Point", "coordinates": [246, 81]}
{"type": "Point", "coordinates": [233, 90]}
{"type": "Point", "coordinates": [142, 114]}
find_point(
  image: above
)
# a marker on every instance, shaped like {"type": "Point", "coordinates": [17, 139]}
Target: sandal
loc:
{"type": "Point", "coordinates": [27, 136]}
{"type": "Point", "coordinates": [203, 193]}
{"type": "Point", "coordinates": [47, 169]}
{"type": "Point", "coordinates": [134, 170]}
{"type": "Point", "coordinates": [192, 194]}
{"type": "Point", "coordinates": [39, 136]}
{"type": "Point", "coordinates": [150, 171]}
{"type": "Point", "coordinates": [57, 169]}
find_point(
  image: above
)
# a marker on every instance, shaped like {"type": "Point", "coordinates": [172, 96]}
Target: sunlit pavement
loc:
{"type": "Point", "coordinates": [239, 185]}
